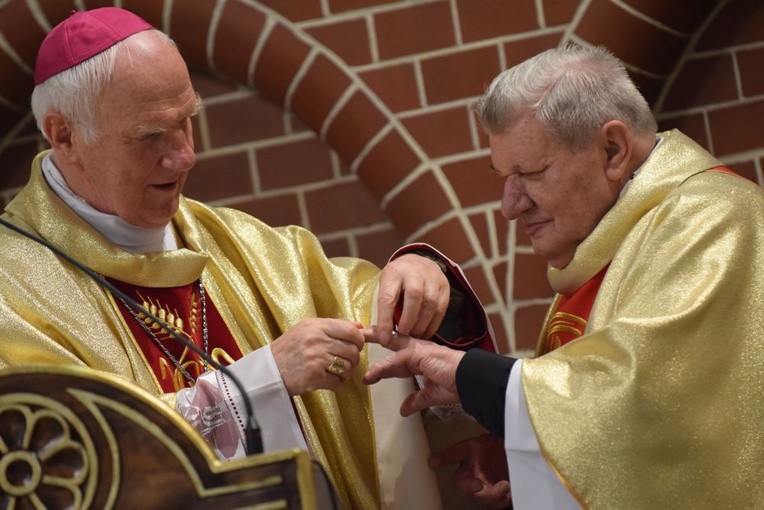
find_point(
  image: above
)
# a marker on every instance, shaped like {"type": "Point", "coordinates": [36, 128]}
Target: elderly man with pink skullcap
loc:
{"type": "Point", "coordinates": [114, 100]}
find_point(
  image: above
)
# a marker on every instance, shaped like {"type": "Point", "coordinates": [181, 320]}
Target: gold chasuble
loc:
{"type": "Point", "coordinates": [259, 281]}
{"type": "Point", "coordinates": [658, 404]}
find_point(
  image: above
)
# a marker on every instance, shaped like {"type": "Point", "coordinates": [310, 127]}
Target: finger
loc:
{"type": "Point", "coordinates": [387, 298]}
{"type": "Point", "coordinates": [395, 342]}
{"type": "Point", "coordinates": [494, 496]}
{"type": "Point", "coordinates": [349, 332]}
{"type": "Point", "coordinates": [413, 297]}
{"type": "Point", "coordinates": [415, 402]}
{"type": "Point", "coordinates": [432, 311]}
{"type": "Point", "coordinates": [458, 452]}
{"type": "Point", "coordinates": [466, 482]}
{"type": "Point", "coordinates": [394, 365]}
{"type": "Point", "coordinates": [340, 368]}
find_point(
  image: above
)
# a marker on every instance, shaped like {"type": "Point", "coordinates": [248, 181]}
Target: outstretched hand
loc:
{"type": "Point", "coordinates": [413, 356]}
{"type": "Point", "coordinates": [420, 286]}
{"type": "Point", "coordinates": [482, 473]}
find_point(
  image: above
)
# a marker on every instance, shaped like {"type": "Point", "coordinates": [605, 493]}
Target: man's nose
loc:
{"type": "Point", "coordinates": [515, 200]}
{"type": "Point", "coordinates": [180, 154]}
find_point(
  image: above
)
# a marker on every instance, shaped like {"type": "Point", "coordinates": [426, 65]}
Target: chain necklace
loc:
{"type": "Point", "coordinates": [165, 350]}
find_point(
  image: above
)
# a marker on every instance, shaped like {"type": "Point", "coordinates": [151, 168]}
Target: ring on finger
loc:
{"type": "Point", "coordinates": [337, 367]}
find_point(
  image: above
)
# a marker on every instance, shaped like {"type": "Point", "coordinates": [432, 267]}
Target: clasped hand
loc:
{"type": "Point", "coordinates": [321, 353]}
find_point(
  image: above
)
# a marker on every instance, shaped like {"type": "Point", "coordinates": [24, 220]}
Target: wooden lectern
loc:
{"type": "Point", "coordinates": [72, 437]}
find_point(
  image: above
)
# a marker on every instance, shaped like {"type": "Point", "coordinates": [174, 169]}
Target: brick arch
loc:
{"type": "Point", "coordinates": [257, 47]}
{"type": "Point", "coordinates": [650, 37]}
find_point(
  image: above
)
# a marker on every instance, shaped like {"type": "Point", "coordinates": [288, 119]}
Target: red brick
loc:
{"type": "Point", "coordinates": [745, 169]}
{"type": "Point", "coordinates": [500, 277]}
{"type": "Point", "coordinates": [219, 177]}
{"type": "Point", "coordinates": [209, 86]}
{"type": "Point", "coordinates": [691, 125]}
{"type": "Point", "coordinates": [632, 39]}
{"type": "Point", "coordinates": [682, 17]}
{"type": "Point", "coordinates": [354, 126]}
{"type": "Point", "coordinates": [519, 51]}
{"type": "Point", "coordinates": [341, 206]}
{"type": "Point", "coordinates": [348, 39]}
{"type": "Point", "coordinates": [276, 211]}
{"type": "Point", "coordinates": [293, 164]}
{"type": "Point", "coordinates": [738, 128]}
{"type": "Point", "coordinates": [480, 226]}
{"type": "Point", "coordinates": [421, 201]}
{"type": "Point", "coordinates": [336, 247]}
{"type": "Point", "coordinates": [479, 283]}
{"type": "Point", "coordinates": [530, 277]}
{"type": "Point", "coordinates": [414, 29]}
{"type": "Point", "coordinates": [8, 118]}
{"type": "Point", "coordinates": [15, 83]}
{"type": "Point", "coordinates": [282, 55]}
{"type": "Point", "coordinates": [739, 22]}
{"type": "Point", "coordinates": [387, 164]}
{"type": "Point", "coordinates": [528, 323]}
{"type": "Point", "coordinates": [751, 66]}
{"type": "Point", "coordinates": [336, 6]}
{"type": "Point", "coordinates": [377, 246]}
{"type": "Point", "coordinates": [318, 92]}
{"type": "Point", "coordinates": [295, 10]}
{"type": "Point", "coordinates": [237, 34]}
{"type": "Point", "coordinates": [648, 86]}
{"type": "Point", "coordinates": [55, 11]}
{"type": "Point", "coordinates": [150, 11]}
{"type": "Point", "coordinates": [502, 230]}
{"type": "Point", "coordinates": [17, 163]}
{"type": "Point", "coordinates": [459, 75]}
{"type": "Point", "coordinates": [494, 18]}
{"type": "Point", "coordinates": [189, 26]}
{"type": "Point", "coordinates": [451, 239]}
{"type": "Point", "coordinates": [21, 31]}
{"type": "Point", "coordinates": [395, 85]}
{"type": "Point", "coordinates": [500, 331]}
{"type": "Point", "coordinates": [559, 12]}
{"type": "Point", "coordinates": [474, 182]}
{"type": "Point", "coordinates": [703, 81]}
{"type": "Point", "coordinates": [441, 132]}
{"type": "Point", "coordinates": [243, 120]}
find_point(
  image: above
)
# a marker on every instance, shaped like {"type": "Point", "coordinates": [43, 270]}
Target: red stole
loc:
{"type": "Point", "coordinates": [182, 309]}
{"type": "Point", "coordinates": [570, 316]}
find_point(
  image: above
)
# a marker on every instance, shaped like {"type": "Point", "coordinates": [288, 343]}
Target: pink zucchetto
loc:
{"type": "Point", "coordinates": [83, 35]}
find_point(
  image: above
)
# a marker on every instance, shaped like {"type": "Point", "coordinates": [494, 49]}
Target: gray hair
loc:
{"type": "Point", "coordinates": [572, 90]}
{"type": "Point", "coordinates": [74, 93]}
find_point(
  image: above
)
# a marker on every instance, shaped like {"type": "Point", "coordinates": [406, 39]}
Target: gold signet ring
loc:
{"type": "Point", "coordinates": [336, 368]}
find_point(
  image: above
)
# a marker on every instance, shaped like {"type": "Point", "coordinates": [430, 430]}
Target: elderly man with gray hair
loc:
{"type": "Point", "coordinates": [645, 390]}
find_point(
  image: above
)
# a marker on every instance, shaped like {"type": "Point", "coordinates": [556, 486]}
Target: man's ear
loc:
{"type": "Point", "coordinates": [619, 145]}
{"type": "Point", "coordinates": [60, 133]}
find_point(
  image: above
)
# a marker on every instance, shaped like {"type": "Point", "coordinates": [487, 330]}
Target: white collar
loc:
{"type": "Point", "coordinates": [115, 229]}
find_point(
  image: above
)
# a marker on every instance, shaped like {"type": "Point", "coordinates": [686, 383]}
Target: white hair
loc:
{"type": "Point", "coordinates": [572, 90]}
{"type": "Point", "coordinates": [74, 93]}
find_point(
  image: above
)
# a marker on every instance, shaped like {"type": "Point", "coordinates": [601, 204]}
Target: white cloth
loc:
{"type": "Point", "coordinates": [534, 485]}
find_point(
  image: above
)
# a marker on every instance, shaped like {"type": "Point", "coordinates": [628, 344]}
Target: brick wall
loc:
{"type": "Point", "coordinates": [352, 117]}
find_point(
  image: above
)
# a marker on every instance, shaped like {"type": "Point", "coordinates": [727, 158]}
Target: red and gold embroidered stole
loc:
{"type": "Point", "coordinates": [571, 314]}
{"type": "Point", "coordinates": [181, 308]}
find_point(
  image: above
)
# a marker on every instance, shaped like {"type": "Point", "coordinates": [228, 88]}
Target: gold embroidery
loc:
{"type": "Point", "coordinates": [562, 322]}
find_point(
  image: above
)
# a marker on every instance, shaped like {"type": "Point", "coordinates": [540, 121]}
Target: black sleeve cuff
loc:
{"type": "Point", "coordinates": [481, 380]}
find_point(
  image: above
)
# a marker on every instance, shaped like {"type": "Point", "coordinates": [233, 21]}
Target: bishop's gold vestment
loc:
{"type": "Point", "coordinates": [660, 403]}
{"type": "Point", "coordinates": [262, 280]}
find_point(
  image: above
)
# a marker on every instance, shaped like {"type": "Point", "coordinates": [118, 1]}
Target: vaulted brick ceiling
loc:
{"type": "Point", "coordinates": [258, 47]}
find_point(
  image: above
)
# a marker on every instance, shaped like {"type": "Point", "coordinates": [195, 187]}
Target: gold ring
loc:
{"type": "Point", "coordinates": [336, 368]}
